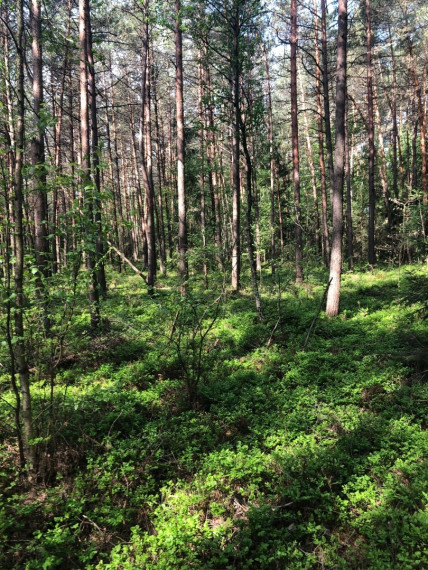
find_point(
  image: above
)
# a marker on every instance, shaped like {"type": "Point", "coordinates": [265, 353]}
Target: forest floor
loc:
{"type": "Point", "coordinates": [190, 435]}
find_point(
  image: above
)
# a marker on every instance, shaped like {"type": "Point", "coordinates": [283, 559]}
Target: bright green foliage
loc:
{"type": "Point", "coordinates": [275, 458]}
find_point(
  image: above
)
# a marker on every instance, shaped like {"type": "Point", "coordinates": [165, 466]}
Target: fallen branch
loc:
{"type": "Point", "coordinates": [128, 261]}
{"type": "Point", "coordinates": [273, 332]}
{"type": "Point", "coordinates": [314, 320]}
{"type": "Point", "coordinates": [174, 324]}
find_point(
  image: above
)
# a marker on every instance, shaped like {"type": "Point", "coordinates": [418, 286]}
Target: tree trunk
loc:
{"type": "Point", "coordinates": [146, 154]}
{"type": "Point", "coordinates": [256, 200]}
{"type": "Point", "coordinates": [281, 225]}
{"type": "Point", "coordinates": [213, 178]}
{"type": "Point", "coordinates": [295, 144]}
{"type": "Point", "coordinates": [249, 223]}
{"type": "Point", "coordinates": [95, 160]}
{"type": "Point", "coordinates": [117, 184]}
{"type": "Point", "coordinates": [393, 106]}
{"type": "Point", "coordinates": [271, 163]}
{"type": "Point", "coordinates": [20, 354]}
{"type": "Point", "coordinates": [413, 170]}
{"type": "Point", "coordinates": [6, 252]}
{"type": "Point", "coordinates": [327, 123]}
{"type": "Point", "coordinates": [41, 224]}
{"type": "Point", "coordinates": [421, 107]}
{"type": "Point", "coordinates": [182, 223]}
{"type": "Point", "coordinates": [319, 87]}
{"type": "Point", "coordinates": [333, 297]}
{"type": "Point", "coordinates": [57, 243]}
{"type": "Point", "coordinates": [140, 228]}
{"type": "Point", "coordinates": [312, 169]}
{"type": "Point", "coordinates": [85, 165]}
{"type": "Point", "coordinates": [236, 214]}
{"type": "Point", "coordinates": [160, 219]}
{"type": "Point", "coordinates": [201, 116]}
{"type": "Point", "coordinates": [160, 152]}
{"type": "Point", "coordinates": [150, 196]}
{"type": "Point", "coordinates": [370, 126]}
{"type": "Point", "coordinates": [117, 221]}
{"type": "Point", "coordinates": [73, 160]}
{"type": "Point", "coordinates": [349, 229]}
{"type": "Point", "coordinates": [382, 161]}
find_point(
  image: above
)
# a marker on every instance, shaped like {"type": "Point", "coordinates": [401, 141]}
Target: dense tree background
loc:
{"type": "Point", "coordinates": [237, 116]}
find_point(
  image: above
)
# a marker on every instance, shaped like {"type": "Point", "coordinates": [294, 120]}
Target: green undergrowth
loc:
{"type": "Point", "coordinates": [190, 435]}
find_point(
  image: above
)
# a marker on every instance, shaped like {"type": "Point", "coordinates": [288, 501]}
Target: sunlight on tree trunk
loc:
{"type": "Point", "coordinates": [333, 296]}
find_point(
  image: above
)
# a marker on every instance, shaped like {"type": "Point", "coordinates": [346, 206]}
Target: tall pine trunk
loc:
{"type": "Point", "coordinates": [146, 155]}
{"type": "Point", "coordinates": [333, 296]}
{"type": "Point", "coordinates": [236, 186]}
{"type": "Point", "coordinates": [182, 222]}
{"type": "Point", "coordinates": [420, 96]}
{"type": "Point", "coordinates": [319, 89]}
{"type": "Point", "coordinates": [295, 145]}
{"type": "Point", "coordinates": [41, 243]}
{"type": "Point", "coordinates": [85, 167]}
{"type": "Point", "coordinates": [327, 122]}
{"type": "Point", "coordinates": [315, 212]}
{"type": "Point", "coordinates": [349, 228]}
{"type": "Point", "coordinates": [249, 223]}
{"type": "Point", "coordinates": [370, 127]}
{"type": "Point", "coordinates": [18, 206]}
{"type": "Point", "coordinates": [95, 159]}
{"type": "Point", "coordinates": [201, 116]}
{"type": "Point", "coordinates": [271, 162]}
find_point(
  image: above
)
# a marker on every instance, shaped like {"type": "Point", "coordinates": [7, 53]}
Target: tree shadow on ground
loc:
{"type": "Point", "coordinates": [317, 456]}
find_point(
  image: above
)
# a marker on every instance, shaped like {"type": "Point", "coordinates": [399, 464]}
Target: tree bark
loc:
{"type": "Point", "coordinates": [146, 154]}
{"type": "Point", "coordinates": [117, 221]}
{"type": "Point", "coordinates": [370, 126]}
{"type": "Point", "coordinates": [160, 153]}
{"type": "Point", "coordinates": [295, 145]}
{"type": "Point", "coordinates": [382, 161]}
{"type": "Point", "coordinates": [271, 163]}
{"type": "Point", "coordinates": [72, 159]}
{"type": "Point", "coordinates": [236, 214]}
{"type": "Point", "coordinates": [249, 223]}
{"type": "Point", "coordinates": [95, 159]}
{"type": "Point", "coordinates": [117, 185]}
{"type": "Point", "coordinates": [318, 239]}
{"type": "Point", "coordinates": [201, 116]}
{"type": "Point", "coordinates": [393, 106]}
{"type": "Point", "coordinates": [213, 177]}
{"type": "Point", "coordinates": [181, 192]}
{"type": "Point", "coordinates": [41, 225]}
{"type": "Point", "coordinates": [333, 297]}
{"type": "Point", "coordinates": [349, 228]}
{"type": "Point", "coordinates": [57, 242]}
{"type": "Point", "coordinates": [421, 108]}
{"type": "Point", "coordinates": [20, 353]}
{"type": "Point", "coordinates": [327, 122]}
{"type": "Point", "coordinates": [85, 165]}
{"type": "Point", "coordinates": [319, 88]}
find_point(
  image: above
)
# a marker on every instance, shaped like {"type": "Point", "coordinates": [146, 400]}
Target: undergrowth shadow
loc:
{"type": "Point", "coordinates": [300, 459]}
